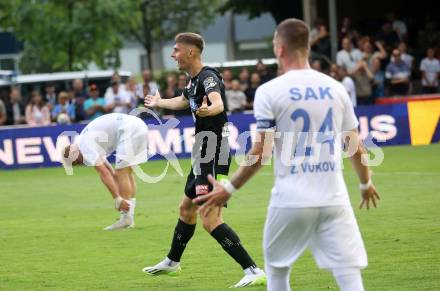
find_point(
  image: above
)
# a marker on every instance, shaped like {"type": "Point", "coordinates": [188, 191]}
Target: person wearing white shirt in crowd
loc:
{"type": "Point", "coordinates": [309, 205]}
{"type": "Point", "coordinates": [349, 57]}
{"type": "Point", "coordinates": [148, 87]}
{"type": "Point", "coordinates": [131, 89]}
{"type": "Point", "coordinates": [430, 68]}
{"type": "Point", "coordinates": [348, 83]}
{"type": "Point", "coordinates": [235, 98]}
{"type": "Point", "coordinates": [398, 25]}
{"type": "Point", "coordinates": [405, 56]}
{"type": "Point", "coordinates": [117, 99]}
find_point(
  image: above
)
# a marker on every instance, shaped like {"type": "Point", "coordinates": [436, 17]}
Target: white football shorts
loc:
{"type": "Point", "coordinates": [330, 232]}
{"type": "Point", "coordinates": [132, 148]}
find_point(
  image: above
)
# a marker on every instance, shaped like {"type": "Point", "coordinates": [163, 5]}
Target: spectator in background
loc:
{"type": "Point", "coordinates": [116, 77]}
{"type": "Point", "coordinates": [235, 98]}
{"type": "Point", "coordinates": [348, 84]}
{"type": "Point", "coordinates": [94, 106]}
{"type": "Point", "coordinates": [131, 89]}
{"type": "Point", "coordinates": [367, 49]}
{"type": "Point", "coordinates": [316, 65]}
{"type": "Point", "coordinates": [227, 78]}
{"type": "Point", "coordinates": [406, 58]}
{"type": "Point", "coordinates": [397, 25]}
{"type": "Point", "coordinates": [320, 42]}
{"type": "Point", "coordinates": [250, 91]}
{"type": "Point", "coordinates": [117, 99]}
{"type": "Point", "coordinates": [14, 108]}
{"type": "Point", "coordinates": [79, 97]}
{"type": "Point", "coordinates": [348, 57]}
{"type": "Point", "coordinates": [148, 87]}
{"type": "Point", "coordinates": [388, 37]}
{"type": "Point", "coordinates": [356, 65]}
{"type": "Point", "coordinates": [63, 107]}
{"type": "Point", "coordinates": [243, 77]}
{"type": "Point", "coordinates": [333, 71]}
{"type": "Point", "coordinates": [346, 28]}
{"type": "Point", "coordinates": [50, 97]}
{"type": "Point", "coordinates": [261, 69]}
{"type": "Point", "coordinates": [314, 30]}
{"type": "Point", "coordinates": [3, 115]}
{"type": "Point", "coordinates": [181, 84]}
{"type": "Point", "coordinates": [171, 91]}
{"type": "Point", "coordinates": [378, 79]}
{"type": "Point", "coordinates": [430, 69]}
{"type": "Point", "coordinates": [398, 74]}
{"type": "Point", "coordinates": [171, 87]}
{"type": "Point", "coordinates": [37, 112]}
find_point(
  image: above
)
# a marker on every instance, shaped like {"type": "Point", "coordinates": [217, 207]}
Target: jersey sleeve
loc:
{"type": "Point", "coordinates": [349, 121]}
{"type": "Point", "coordinates": [210, 82]}
{"type": "Point", "coordinates": [263, 111]}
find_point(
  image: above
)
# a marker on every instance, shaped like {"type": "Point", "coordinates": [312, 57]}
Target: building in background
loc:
{"type": "Point", "coordinates": [10, 49]}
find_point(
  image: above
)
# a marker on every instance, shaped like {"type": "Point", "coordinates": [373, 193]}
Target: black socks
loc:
{"type": "Point", "coordinates": [182, 234]}
{"type": "Point", "coordinates": [230, 242]}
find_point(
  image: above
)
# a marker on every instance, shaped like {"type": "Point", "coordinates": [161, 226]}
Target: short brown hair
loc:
{"type": "Point", "coordinates": [294, 33]}
{"type": "Point", "coordinates": [191, 38]}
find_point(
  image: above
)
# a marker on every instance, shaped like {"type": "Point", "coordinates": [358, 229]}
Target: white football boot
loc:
{"type": "Point", "coordinates": [166, 267]}
{"type": "Point", "coordinates": [252, 277]}
{"type": "Point", "coordinates": [125, 221]}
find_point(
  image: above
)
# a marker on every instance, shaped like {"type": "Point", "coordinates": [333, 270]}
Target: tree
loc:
{"type": "Point", "coordinates": [61, 35]}
{"type": "Point", "coordinates": [154, 21]}
{"type": "Point", "coordinates": [279, 9]}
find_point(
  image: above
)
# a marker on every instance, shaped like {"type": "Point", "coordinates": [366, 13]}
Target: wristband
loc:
{"type": "Point", "coordinates": [365, 186]}
{"type": "Point", "coordinates": [118, 201]}
{"type": "Point", "coordinates": [228, 186]}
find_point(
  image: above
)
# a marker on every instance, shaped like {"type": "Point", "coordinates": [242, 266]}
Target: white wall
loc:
{"type": "Point", "coordinates": [131, 59]}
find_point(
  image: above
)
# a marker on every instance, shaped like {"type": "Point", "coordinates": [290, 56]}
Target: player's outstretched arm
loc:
{"type": "Point", "coordinates": [176, 103]}
{"type": "Point", "coordinates": [215, 108]}
{"type": "Point", "coordinates": [109, 181]}
{"type": "Point", "coordinates": [368, 191]}
{"type": "Point", "coordinates": [259, 154]}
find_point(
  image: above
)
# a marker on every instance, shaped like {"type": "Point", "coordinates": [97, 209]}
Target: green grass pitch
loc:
{"type": "Point", "coordinates": [51, 233]}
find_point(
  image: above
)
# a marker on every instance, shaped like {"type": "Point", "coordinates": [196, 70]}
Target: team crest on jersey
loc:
{"type": "Point", "coordinates": [209, 83]}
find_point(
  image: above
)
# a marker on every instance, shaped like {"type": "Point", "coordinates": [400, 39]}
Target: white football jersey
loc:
{"type": "Point", "coordinates": [309, 111]}
{"type": "Point", "coordinates": [113, 132]}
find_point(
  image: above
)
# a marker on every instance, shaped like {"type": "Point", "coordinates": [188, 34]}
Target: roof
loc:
{"type": "Point", "coordinates": [61, 76]}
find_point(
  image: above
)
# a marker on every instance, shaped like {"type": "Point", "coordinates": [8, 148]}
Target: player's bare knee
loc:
{"type": "Point", "coordinates": [187, 213]}
{"type": "Point", "coordinates": [210, 223]}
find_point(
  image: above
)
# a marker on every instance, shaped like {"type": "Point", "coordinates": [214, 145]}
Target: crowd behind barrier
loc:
{"type": "Point", "coordinates": [371, 68]}
{"type": "Point", "coordinates": [415, 123]}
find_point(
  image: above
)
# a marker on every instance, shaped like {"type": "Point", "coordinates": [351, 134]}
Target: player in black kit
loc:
{"type": "Point", "coordinates": [205, 95]}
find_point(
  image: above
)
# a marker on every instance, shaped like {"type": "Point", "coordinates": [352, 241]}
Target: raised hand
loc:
{"type": "Point", "coordinates": [152, 100]}
{"type": "Point", "coordinates": [203, 110]}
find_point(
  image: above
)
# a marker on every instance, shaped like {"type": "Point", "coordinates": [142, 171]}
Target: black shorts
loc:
{"type": "Point", "coordinates": [197, 182]}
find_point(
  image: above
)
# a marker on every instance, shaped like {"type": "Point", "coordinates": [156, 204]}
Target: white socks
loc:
{"type": "Point", "coordinates": [277, 278]}
{"type": "Point", "coordinates": [132, 203]}
{"type": "Point", "coordinates": [349, 279]}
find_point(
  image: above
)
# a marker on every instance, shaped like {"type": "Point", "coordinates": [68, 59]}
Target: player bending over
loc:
{"type": "Point", "coordinates": [125, 134]}
{"type": "Point", "coordinates": [205, 95]}
{"type": "Point", "coordinates": [305, 112]}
